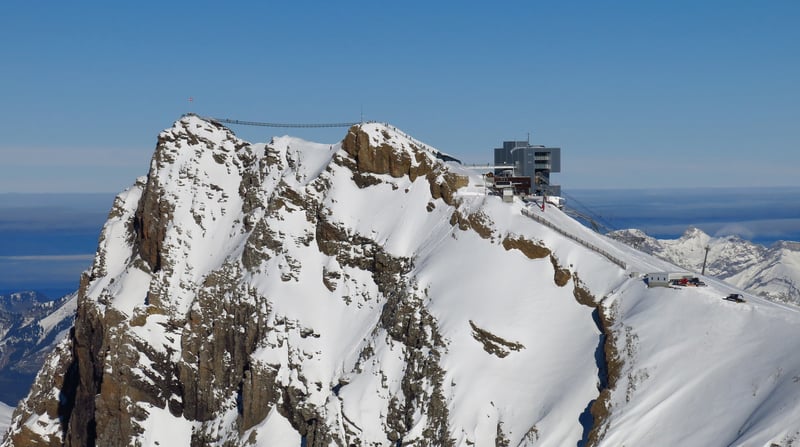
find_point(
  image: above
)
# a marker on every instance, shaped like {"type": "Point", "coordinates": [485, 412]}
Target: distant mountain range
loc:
{"type": "Point", "coordinates": [30, 326]}
{"type": "Point", "coordinates": [772, 272]}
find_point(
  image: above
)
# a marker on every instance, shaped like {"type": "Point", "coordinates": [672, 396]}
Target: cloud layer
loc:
{"type": "Point", "coordinates": [760, 214]}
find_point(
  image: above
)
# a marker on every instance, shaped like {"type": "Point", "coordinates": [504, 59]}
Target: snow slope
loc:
{"type": "Point", "coordinates": [696, 368]}
{"type": "Point", "coordinates": [385, 306]}
{"type": "Point", "coordinates": [5, 419]}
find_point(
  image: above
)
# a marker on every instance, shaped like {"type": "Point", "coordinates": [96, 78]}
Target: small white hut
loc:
{"type": "Point", "coordinates": [664, 279]}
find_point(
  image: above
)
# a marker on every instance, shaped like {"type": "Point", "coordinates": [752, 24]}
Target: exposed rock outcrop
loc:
{"type": "Point", "coordinates": [492, 343]}
{"type": "Point", "coordinates": [383, 157]}
{"type": "Point", "coordinates": [529, 248]}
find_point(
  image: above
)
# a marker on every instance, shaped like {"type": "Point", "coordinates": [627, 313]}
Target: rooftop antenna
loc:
{"type": "Point", "coordinates": [529, 138]}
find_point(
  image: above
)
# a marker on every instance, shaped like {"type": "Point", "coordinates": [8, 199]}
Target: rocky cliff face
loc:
{"type": "Point", "coordinates": [362, 293]}
{"type": "Point", "coordinates": [772, 272]}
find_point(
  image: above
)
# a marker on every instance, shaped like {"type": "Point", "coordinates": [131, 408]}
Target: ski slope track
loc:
{"type": "Point", "coordinates": [368, 293]}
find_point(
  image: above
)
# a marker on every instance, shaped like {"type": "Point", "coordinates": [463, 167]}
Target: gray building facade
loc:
{"type": "Point", "coordinates": [526, 160]}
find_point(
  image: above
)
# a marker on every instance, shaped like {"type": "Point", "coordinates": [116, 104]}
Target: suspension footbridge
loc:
{"type": "Point", "coordinates": [280, 125]}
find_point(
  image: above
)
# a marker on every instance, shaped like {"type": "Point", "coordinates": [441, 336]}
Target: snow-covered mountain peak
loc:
{"type": "Point", "coordinates": [695, 235]}
{"type": "Point", "coordinates": [194, 139]}
{"type": "Point", "coordinates": [371, 293]}
{"type": "Point", "coordinates": [787, 245]}
{"type": "Point", "coordinates": [386, 134]}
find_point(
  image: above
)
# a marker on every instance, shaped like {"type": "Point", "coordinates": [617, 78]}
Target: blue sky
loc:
{"type": "Point", "coordinates": [638, 94]}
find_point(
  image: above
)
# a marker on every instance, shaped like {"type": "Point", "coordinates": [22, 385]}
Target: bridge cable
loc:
{"type": "Point", "coordinates": [283, 125]}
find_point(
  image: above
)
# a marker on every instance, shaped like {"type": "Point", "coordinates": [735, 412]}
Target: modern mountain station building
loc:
{"type": "Point", "coordinates": [534, 162]}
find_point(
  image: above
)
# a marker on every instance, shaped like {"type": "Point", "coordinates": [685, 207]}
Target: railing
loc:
{"type": "Point", "coordinates": [586, 244]}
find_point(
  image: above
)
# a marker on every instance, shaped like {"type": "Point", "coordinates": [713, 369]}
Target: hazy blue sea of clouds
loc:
{"type": "Point", "coordinates": [762, 215]}
{"type": "Point", "coordinates": [47, 240]}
